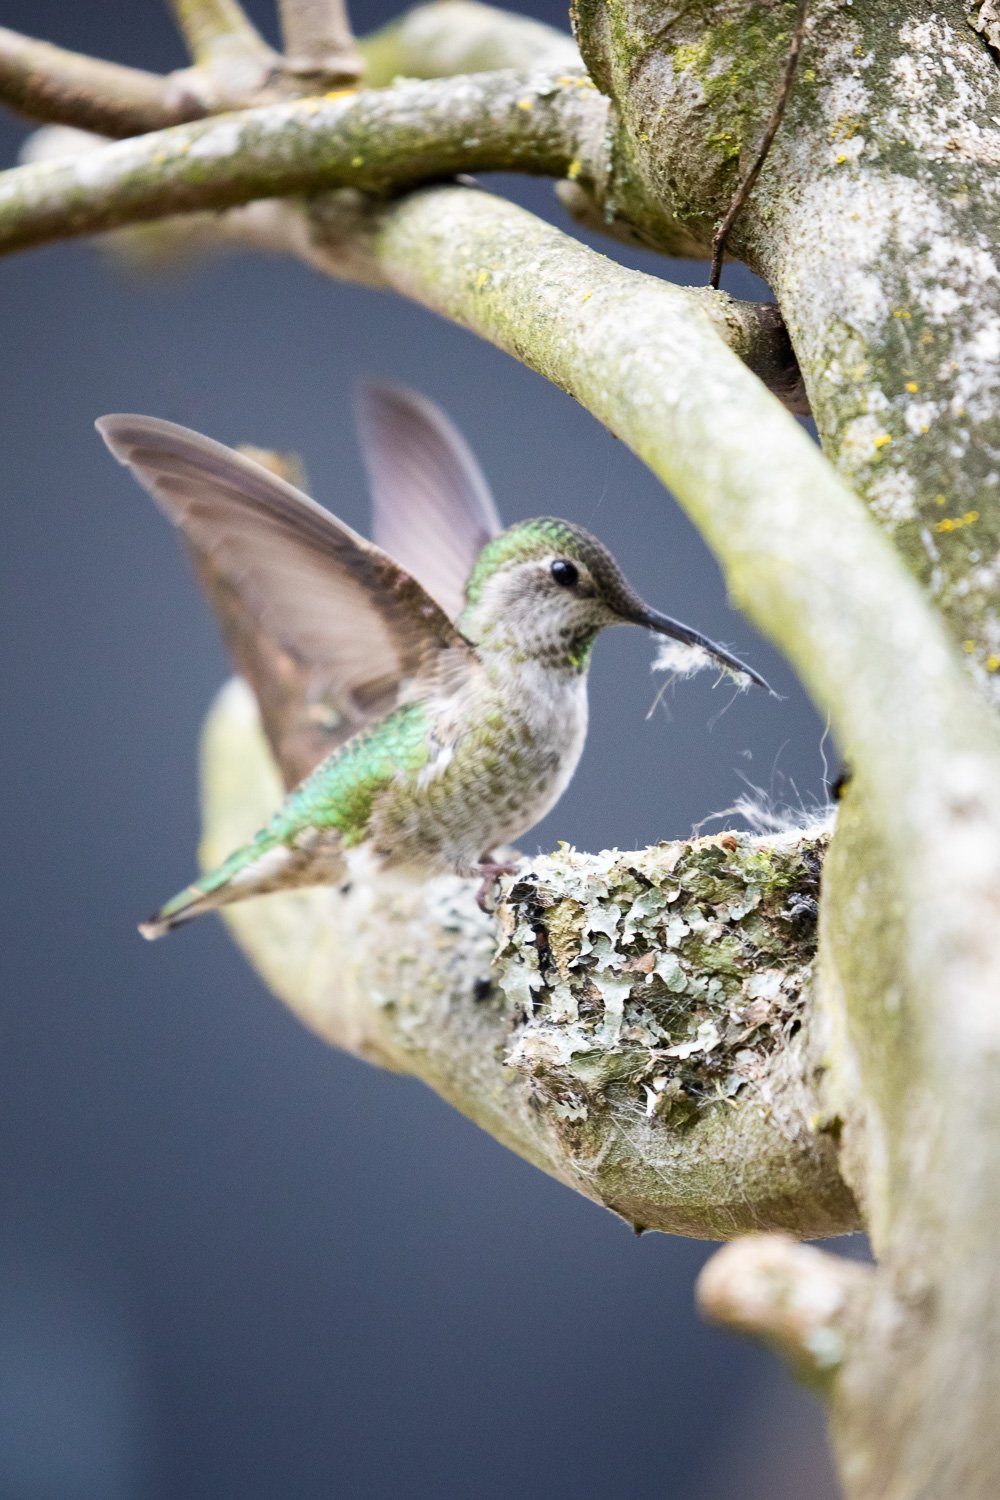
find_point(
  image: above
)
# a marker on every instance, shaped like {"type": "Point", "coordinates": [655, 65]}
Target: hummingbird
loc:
{"type": "Point", "coordinates": [424, 695]}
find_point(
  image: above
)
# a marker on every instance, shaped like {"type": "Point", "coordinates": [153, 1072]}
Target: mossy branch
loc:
{"type": "Point", "coordinates": [377, 140]}
{"type": "Point", "coordinates": [875, 219]}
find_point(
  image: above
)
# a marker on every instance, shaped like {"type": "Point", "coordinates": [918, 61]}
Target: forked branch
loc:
{"type": "Point", "coordinates": [225, 44]}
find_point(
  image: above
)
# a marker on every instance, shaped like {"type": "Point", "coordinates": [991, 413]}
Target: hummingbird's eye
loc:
{"type": "Point", "coordinates": [565, 573]}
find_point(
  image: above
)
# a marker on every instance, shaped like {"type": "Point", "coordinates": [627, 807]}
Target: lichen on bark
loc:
{"type": "Point", "coordinates": [671, 975]}
{"type": "Point", "coordinates": [875, 220]}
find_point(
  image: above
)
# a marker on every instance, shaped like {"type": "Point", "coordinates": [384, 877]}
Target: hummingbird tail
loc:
{"type": "Point", "coordinates": [262, 865]}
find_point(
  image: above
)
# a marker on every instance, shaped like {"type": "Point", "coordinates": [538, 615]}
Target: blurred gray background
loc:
{"type": "Point", "coordinates": [232, 1261]}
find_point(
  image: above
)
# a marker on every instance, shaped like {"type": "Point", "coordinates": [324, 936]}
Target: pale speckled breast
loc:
{"type": "Point", "coordinates": [501, 757]}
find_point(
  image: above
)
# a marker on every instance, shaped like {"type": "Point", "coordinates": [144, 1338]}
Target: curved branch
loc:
{"type": "Point", "coordinates": [876, 221]}
{"type": "Point", "coordinates": [377, 140]}
{"type": "Point", "coordinates": [50, 83]}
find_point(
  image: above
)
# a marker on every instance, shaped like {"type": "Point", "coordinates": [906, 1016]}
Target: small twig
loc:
{"type": "Point", "coordinates": [319, 42]}
{"type": "Point", "coordinates": [803, 1302]}
{"type": "Point", "coordinates": [463, 36]}
{"type": "Point", "coordinates": [746, 187]}
{"type": "Point", "coordinates": [224, 42]}
{"type": "Point", "coordinates": [50, 83]}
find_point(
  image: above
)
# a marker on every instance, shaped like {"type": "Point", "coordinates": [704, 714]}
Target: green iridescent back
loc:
{"type": "Point", "coordinates": [340, 792]}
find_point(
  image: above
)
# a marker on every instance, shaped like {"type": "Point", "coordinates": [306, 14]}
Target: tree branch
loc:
{"type": "Point", "coordinates": [807, 1305]}
{"type": "Point", "coordinates": [462, 36]}
{"type": "Point", "coordinates": [49, 83]}
{"type": "Point", "coordinates": [319, 43]}
{"type": "Point", "coordinates": [885, 272]}
{"type": "Point", "coordinates": [876, 220]}
{"type": "Point", "coordinates": [52, 84]}
{"type": "Point", "coordinates": [225, 44]}
{"type": "Point", "coordinates": [746, 187]}
{"type": "Point", "coordinates": [376, 140]}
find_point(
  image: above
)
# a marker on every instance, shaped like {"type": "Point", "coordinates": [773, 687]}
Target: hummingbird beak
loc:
{"type": "Point", "coordinates": [664, 625]}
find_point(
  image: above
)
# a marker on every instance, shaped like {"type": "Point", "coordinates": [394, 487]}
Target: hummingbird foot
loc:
{"type": "Point", "coordinates": [491, 873]}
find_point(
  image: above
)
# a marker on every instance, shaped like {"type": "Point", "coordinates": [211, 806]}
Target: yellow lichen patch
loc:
{"type": "Point", "coordinates": [992, 663]}
{"type": "Point", "coordinates": [340, 93]}
{"type": "Point", "coordinates": [902, 312]}
{"type": "Point", "coordinates": [912, 387]}
{"type": "Point", "coordinates": [574, 169]}
{"type": "Point", "coordinates": [526, 103]}
{"type": "Point", "coordinates": [883, 439]}
{"type": "Point", "coordinates": [844, 128]}
{"type": "Point", "coordinates": [940, 500]}
{"type": "Point", "coordinates": [586, 296]}
{"type": "Point", "coordinates": [840, 158]}
{"type": "Point", "coordinates": [357, 161]}
{"type": "Point", "coordinates": [481, 280]}
{"type": "Point", "coordinates": [968, 647]}
{"type": "Point", "coordinates": [955, 523]}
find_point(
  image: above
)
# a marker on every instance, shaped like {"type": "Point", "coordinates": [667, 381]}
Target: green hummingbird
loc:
{"type": "Point", "coordinates": [425, 696]}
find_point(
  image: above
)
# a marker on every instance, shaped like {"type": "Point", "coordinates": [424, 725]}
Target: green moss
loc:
{"type": "Point", "coordinates": [725, 142]}
{"type": "Point", "coordinates": [738, 64]}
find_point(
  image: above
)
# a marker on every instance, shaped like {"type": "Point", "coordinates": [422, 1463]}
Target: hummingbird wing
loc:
{"type": "Point", "coordinates": [433, 511]}
{"type": "Point", "coordinates": [327, 629]}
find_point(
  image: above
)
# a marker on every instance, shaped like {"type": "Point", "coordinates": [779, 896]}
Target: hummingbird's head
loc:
{"type": "Point", "coordinates": [543, 589]}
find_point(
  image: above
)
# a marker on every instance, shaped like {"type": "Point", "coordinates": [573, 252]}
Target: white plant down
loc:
{"type": "Point", "coordinates": [682, 660]}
